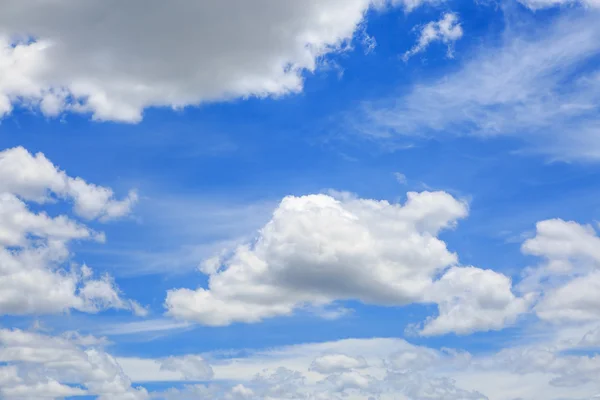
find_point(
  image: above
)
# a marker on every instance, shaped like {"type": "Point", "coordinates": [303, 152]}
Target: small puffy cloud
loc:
{"type": "Point", "coordinates": [447, 30]}
{"type": "Point", "coordinates": [558, 240]}
{"type": "Point", "coordinates": [92, 57]}
{"type": "Point", "coordinates": [35, 178]}
{"type": "Point", "coordinates": [396, 370]}
{"type": "Point", "coordinates": [568, 280]}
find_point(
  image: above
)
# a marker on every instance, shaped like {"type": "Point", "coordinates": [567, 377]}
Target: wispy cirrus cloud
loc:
{"type": "Point", "coordinates": [541, 86]}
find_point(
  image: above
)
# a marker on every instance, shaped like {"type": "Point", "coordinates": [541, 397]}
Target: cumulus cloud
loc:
{"type": "Point", "coordinates": [36, 271]}
{"type": "Point", "coordinates": [331, 363]}
{"type": "Point", "coordinates": [319, 249]}
{"type": "Point", "coordinates": [93, 57]}
{"type": "Point", "coordinates": [540, 84]}
{"type": "Point", "coordinates": [447, 30]}
{"type": "Point", "coordinates": [46, 367]}
{"type": "Point", "coordinates": [392, 369]}
{"type": "Point", "coordinates": [568, 281]}
{"type": "Point", "coordinates": [34, 178]}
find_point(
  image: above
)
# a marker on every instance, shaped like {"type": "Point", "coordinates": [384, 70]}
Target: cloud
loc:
{"type": "Point", "coordinates": [41, 366]}
{"type": "Point", "coordinates": [319, 249]}
{"type": "Point", "coordinates": [191, 367]}
{"type": "Point", "coordinates": [93, 57]}
{"type": "Point", "coordinates": [568, 280]}
{"type": "Point", "coordinates": [392, 368]}
{"type": "Point", "coordinates": [35, 178]}
{"type": "Point", "coordinates": [447, 30]}
{"type": "Point", "coordinates": [37, 275]}
{"type": "Point", "coordinates": [541, 4]}
{"type": "Point", "coordinates": [540, 85]}
{"type": "Point", "coordinates": [400, 178]}
{"type": "Point", "coordinates": [471, 299]}
{"type": "Point", "coordinates": [332, 363]}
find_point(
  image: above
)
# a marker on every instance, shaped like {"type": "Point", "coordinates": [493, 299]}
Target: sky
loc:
{"type": "Point", "coordinates": [309, 199]}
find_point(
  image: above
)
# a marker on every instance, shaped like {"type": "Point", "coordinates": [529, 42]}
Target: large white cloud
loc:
{"type": "Point", "coordinates": [37, 274]}
{"type": "Point", "coordinates": [113, 59]}
{"type": "Point", "coordinates": [318, 249]}
{"type": "Point", "coordinates": [540, 4]}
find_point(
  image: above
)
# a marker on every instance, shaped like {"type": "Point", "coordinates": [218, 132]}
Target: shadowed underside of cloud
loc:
{"type": "Point", "coordinates": [541, 86]}
{"type": "Point", "coordinates": [114, 59]}
{"type": "Point", "coordinates": [385, 369]}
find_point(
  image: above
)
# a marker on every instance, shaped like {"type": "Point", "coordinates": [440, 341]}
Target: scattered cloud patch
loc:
{"type": "Point", "coordinates": [447, 30]}
{"type": "Point", "coordinates": [540, 85]}
{"type": "Point", "coordinates": [541, 4]}
{"type": "Point", "coordinates": [400, 178]}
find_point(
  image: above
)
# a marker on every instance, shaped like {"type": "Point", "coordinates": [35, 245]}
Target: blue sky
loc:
{"type": "Point", "coordinates": [308, 201]}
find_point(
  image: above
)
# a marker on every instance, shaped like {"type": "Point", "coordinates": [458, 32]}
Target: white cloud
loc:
{"type": "Point", "coordinates": [35, 178]}
{"type": "Point", "coordinates": [93, 57]}
{"type": "Point", "coordinates": [410, 5]}
{"type": "Point", "coordinates": [46, 367]}
{"type": "Point", "coordinates": [17, 222]}
{"type": "Point", "coordinates": [395, 369]}
{"type": "Point", "coordinates": [191, 367]}
{"type": "Point", "coordinates": [540, 4]}
{"type": "Point", "coordinates": [471, 299]}
{"type": "Point", "coordinates": [539, 84]}
{"type": "Point", "coordinates": [567, 282]}
{"type": "Point", "coordinates": [563, 241]}
{"type": "Point", "coordinates": [447, 30]}
{"type": "Point", "coordinates": [318, 249]}
{"type": "Point", "coordinates": [37, 275]}
{"type": "Point", "coordinates": [331, 363]}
